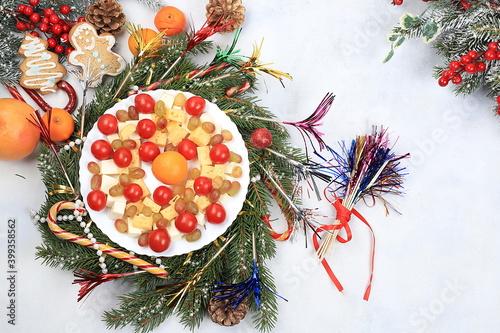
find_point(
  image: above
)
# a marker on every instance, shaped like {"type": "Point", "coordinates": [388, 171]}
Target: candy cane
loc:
{"type": "Point", "coordinates": [63, 234]}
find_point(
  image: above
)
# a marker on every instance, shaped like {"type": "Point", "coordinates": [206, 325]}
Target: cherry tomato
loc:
{"type": "Point", "coordinates": [101, 149]}
{"type": "Point", "coordinates": [144, 103]}
{"type": "Point", "coordinates": [219, 154]}
{"type": "Point", "coordinates": [146, 128]}
{"type": "Point", "coordinates": [202, 185]}
{"type": "Point", "coordinates": [133, 192]}
{"type": "Point", "coordinates": [195, 105]}
{"type": "Point", "coordinates": [96, 200]}
{"type": "Point", "coordinates": [107, 124]}
{"type": "Point", "coordinates": [162, 195]}
{"type": "Point", "coordinates": [122, 157]}
{"type": "Point", "coordinates": [186, 222]}
{"type": "Point", "coordinates": [216, 213]}
{"type": "Point", "coordinates": [148, 151]}
{"type": "Point", "coordinates": [159, 240]}
{"type": "Point", "coordinates": [187, 148]}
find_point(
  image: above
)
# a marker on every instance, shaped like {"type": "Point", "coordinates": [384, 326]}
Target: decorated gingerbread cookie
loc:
{"type": "Point", "coordinates": [93, 53]}
{"type": "Point", "coordinates": [41, 68]}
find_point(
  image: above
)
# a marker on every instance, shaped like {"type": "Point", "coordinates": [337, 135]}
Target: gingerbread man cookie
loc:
{"type": "Point", "coordinates": [41, 68]}
{"type": "Point", "coordinates": [93, 53]}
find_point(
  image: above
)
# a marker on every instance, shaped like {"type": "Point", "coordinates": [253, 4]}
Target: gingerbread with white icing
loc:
{"type": "Point", "coordinates": [41, 68]}
{"type": "Point", "coordinates": [93, 53]}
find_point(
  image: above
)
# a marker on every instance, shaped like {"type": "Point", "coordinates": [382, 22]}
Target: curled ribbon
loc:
{"type": "Point", "coordinates": [343, 216]}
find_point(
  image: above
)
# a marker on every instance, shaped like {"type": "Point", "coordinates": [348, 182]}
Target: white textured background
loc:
{"type": "Point", "coordinates": [436, 265]}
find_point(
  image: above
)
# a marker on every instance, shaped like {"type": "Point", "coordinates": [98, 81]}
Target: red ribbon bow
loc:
{"type": "Point", "coordinates": [344, 216]}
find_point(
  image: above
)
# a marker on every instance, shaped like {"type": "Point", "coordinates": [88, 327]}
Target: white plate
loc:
{"type": "Point", "coordinates": [208, 233]}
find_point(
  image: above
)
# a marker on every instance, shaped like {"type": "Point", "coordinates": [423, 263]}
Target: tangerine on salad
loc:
{"type": "Point", "coordinates": [170, 167]}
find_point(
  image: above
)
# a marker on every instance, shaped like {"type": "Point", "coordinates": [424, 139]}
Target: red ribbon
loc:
{"type": "Point", "coordinates": [344, 216]}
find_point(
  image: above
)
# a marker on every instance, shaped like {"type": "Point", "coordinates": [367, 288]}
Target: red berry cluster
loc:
{"type": "Point", "coordinates": [400, 2]}
{"type": "Point", "coordinates": [47, 21]}
{"type": "Point", "coordinates": [472, 62]}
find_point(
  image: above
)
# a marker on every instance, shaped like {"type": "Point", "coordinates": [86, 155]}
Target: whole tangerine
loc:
{"type": "Point", "coordinates": [147, 35]}
{"type": "Point", "coordinates": [18, 137]}
{"type": "Point", "coordinates": [170, 18]}
{"type": "Point", "coordinates": [170, 167]}
{"type": "Point", "coordinates": [62, 124]}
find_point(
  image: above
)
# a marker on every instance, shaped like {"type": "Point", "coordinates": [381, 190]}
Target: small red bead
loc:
{"type": "Point", "coordinates": [45, 20]}
{"type": "Point", "coordinates": [397, 2]}
{"type": "Point", "coordinates": [20, 8]}
{"type": "Point", "coordinates": [471, 68]}
{"type": "Point", "coordinates": [51, 42]}
{"type": "Point", "coordinates": [28, 10]}
{"type": "Point", "coordinates": [448, 74]}
{"type": "Point", "coordinates": [48, 11]}
{"type": "Point", "coordinates": [81, 19]}
{"type": "Point", "coordinates": [69, 49]}
{"type": "Point", "coordinates": [490, 55]}
{"type": "Point", "coordinates": [34, 2]}
{"type": "Point", "coordinates": [65, 9]}
{"type": "Point", "coordinates": [498, 111]}
{"type": "Point", "coordinates": [35, 18]}
{"type": "Point", "coordinates": [66, 28]}
{"type": "Point", "coordinates": [443, 82]}
{"type": "Point", "coordinates": [481, 66]}
{"type": "Point", "coordinates": [65, 37]}
{"type": "Point", "coordinates": [34, 33]}
{"type": "Point", "coordinates": [498, 55]}
{"type": "Point", "coordinates": [498, 99]}
{"type": "Point", "coordinates": [56, 29]}
{"type": "Point", "coordinates": [21, 26]}
{"type": "Point", "coordinates": [457, 79]}
{"type": "Point", "coordinates": [493, 46]}
{"type": "Point", "coordinates": [472, 54]}
{"type": "Point", "coordinates": [54, 18]}
{"type": "Point", "coordinates": [465, 59]}
{"type": "Point", "coordinates": [44, 27]}
{"type": "Point", "coordinates": [59, 48]}
{"type": "Point", "coordinates": [455, 65]}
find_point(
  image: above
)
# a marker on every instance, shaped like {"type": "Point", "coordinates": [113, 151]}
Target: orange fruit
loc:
{"type": "Point", "coordinates": [62, 124]}
{"type": "Point", "coordinates": [170, 167]}
{"type": "Point", "coordinates": [147, 35]}
{"type": "Point", "coordinates": [171, 19]}
{"type": "Point", "coordinates": [18, 137]}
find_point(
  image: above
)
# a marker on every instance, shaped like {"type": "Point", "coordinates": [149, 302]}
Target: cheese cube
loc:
{"type": "Point", "coordinates": [174, 233]}
{"type": "Point", "coordinates": [117, 210]}
{"type": "Point", "coordinates": [113, 137]}
{"type": "Point", "coordinates": [126, 131]}
{"type": "Point", "coordinates": [173, 124]}
{"type": "Point", "coordinates": [136, 160]}
{"type": "Point", "coordinates": [202, 202]}
{"type": "Point", "coordinates": [219, 170]}
{"type": "Point", "coordinates": [145, 116]}
{"type": "Point", "coordinates": [176, 115]}
{"type": "Point", "coordinates": [177, 134]}
{"type": "Point", "coordinates": [108, 167]}
{"type": "Point", "coordinates": [207, 171]}
{"type": "Point", "coordinates": [142, 222]}
{"type": "Point", "coordinates": [138, 204]}
{"type": "Point", "coordinates": [132, 231]}
{"type": "Point", "coordinates": [201, 218]}
{"type": "Point", "coordinates": [107, 182]}
{"type": "Point", "coordinates": [204, 155]}
{"type": "Point", "coordinates": [190, 183]}
{"type": "Point", "coordinates": [169, 213]}
{"type": "Point", "coordinates": [145, 190]}
{"type": "Point", "coordinates": [110, 201]}
{"type": "Point", "coordinates": [168, 99]}
{"type": "Point", "coordinates": [151, 204]}
{"type": "Point", "coordinates": [200, 137]}
{"type": "Point", "coordinates": [160, 138]}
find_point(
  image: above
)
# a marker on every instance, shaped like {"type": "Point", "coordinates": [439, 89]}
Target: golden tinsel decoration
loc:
{"type": "Point", "coordinates": [224, 314]}
{"type": "Point", "coordinates": [229, 10]}
{"type": "Point", "coordinates": [106, 16]}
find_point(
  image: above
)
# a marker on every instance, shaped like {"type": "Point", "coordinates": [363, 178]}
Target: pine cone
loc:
{"type": "Point", "coordinates": [231, 10]}
{"type": "Point", "coordinates": [226, 315]}
{"type": "Point", "coordinates": [106, 16]}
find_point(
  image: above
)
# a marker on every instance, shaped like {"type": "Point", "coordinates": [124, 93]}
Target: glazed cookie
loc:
{"type": "Point", "coordinates": [41, 68]}
{"type": "Point", "coordinates": [93, 53]}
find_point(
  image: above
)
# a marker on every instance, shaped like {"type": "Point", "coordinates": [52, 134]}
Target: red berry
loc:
{"type": "Point", "coordinates": [59, 48]}
{"type": "Point", "coordinates": [35, 18]}
{"type": "Point", "coordinates": [448, 74]}
{"type": "Point", "coordinates": [472, 54]}
{"type": "Point", "coordinates": [471, 68]}
{"type": "Point", "coordinates": [48, 11]}
{"type": "Point", "coordinates": [81, 19]}
{"type": "Point", "coordinates": [45, 20]}
{"type": "Point", "coordinates": [28, 10]}
{"type": "Point", "coordinates": [66, 28]}
{"type": "Point", "coordinates": [44, 27]}
{"type": "Point", "coordinates": [498, 99]}
{"type": "Point", "coordinates": [481, 66]}
{"type": "Point", "coordinates": [54, 18]}
{"type": "Point", "coordinates": [56, 29]}
{"type": "Point", "coordinates": [397, 2]}
{"type": "Point", "coordinates": [21, 26]}
{"type": "Point", "coordinates": [457, 79]}
{"type": "Point", "coordinates": [493, 46]}
{"type": "Point", "coordinates": [498, 55]}
{"type": "Point", "coordinates": [34, 2]}
{"type": "Point", "coordinates": [65, 9]}
{"type": "Point", "coordinates": [65, 37]}
{"type": "Point", "coordinates": [34, 33]}
{"type": "Point", "coordinates": [20, 8]}
{"type": "Point", "coordinates": [490, 55]}
{"type": "Point", "coordinates": [465, 59]}
{"type": "Point", "coordinates": [455, 65]}
{"type": "Point", "coordinates": [443, 82]}
{"type": "Point", "coordinates": [51, 42]}
{"type": "Point", "coordinates": [68, 50]}
{"type": "Point", "coordinates": [498, 111]}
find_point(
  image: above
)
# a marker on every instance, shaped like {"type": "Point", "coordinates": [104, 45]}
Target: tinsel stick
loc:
{"type": "Point", "coordinates": [14, 92]}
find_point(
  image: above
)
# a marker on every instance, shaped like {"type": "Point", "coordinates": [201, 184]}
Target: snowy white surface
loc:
{"type": "Point", "coordinates": [437, 264]}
